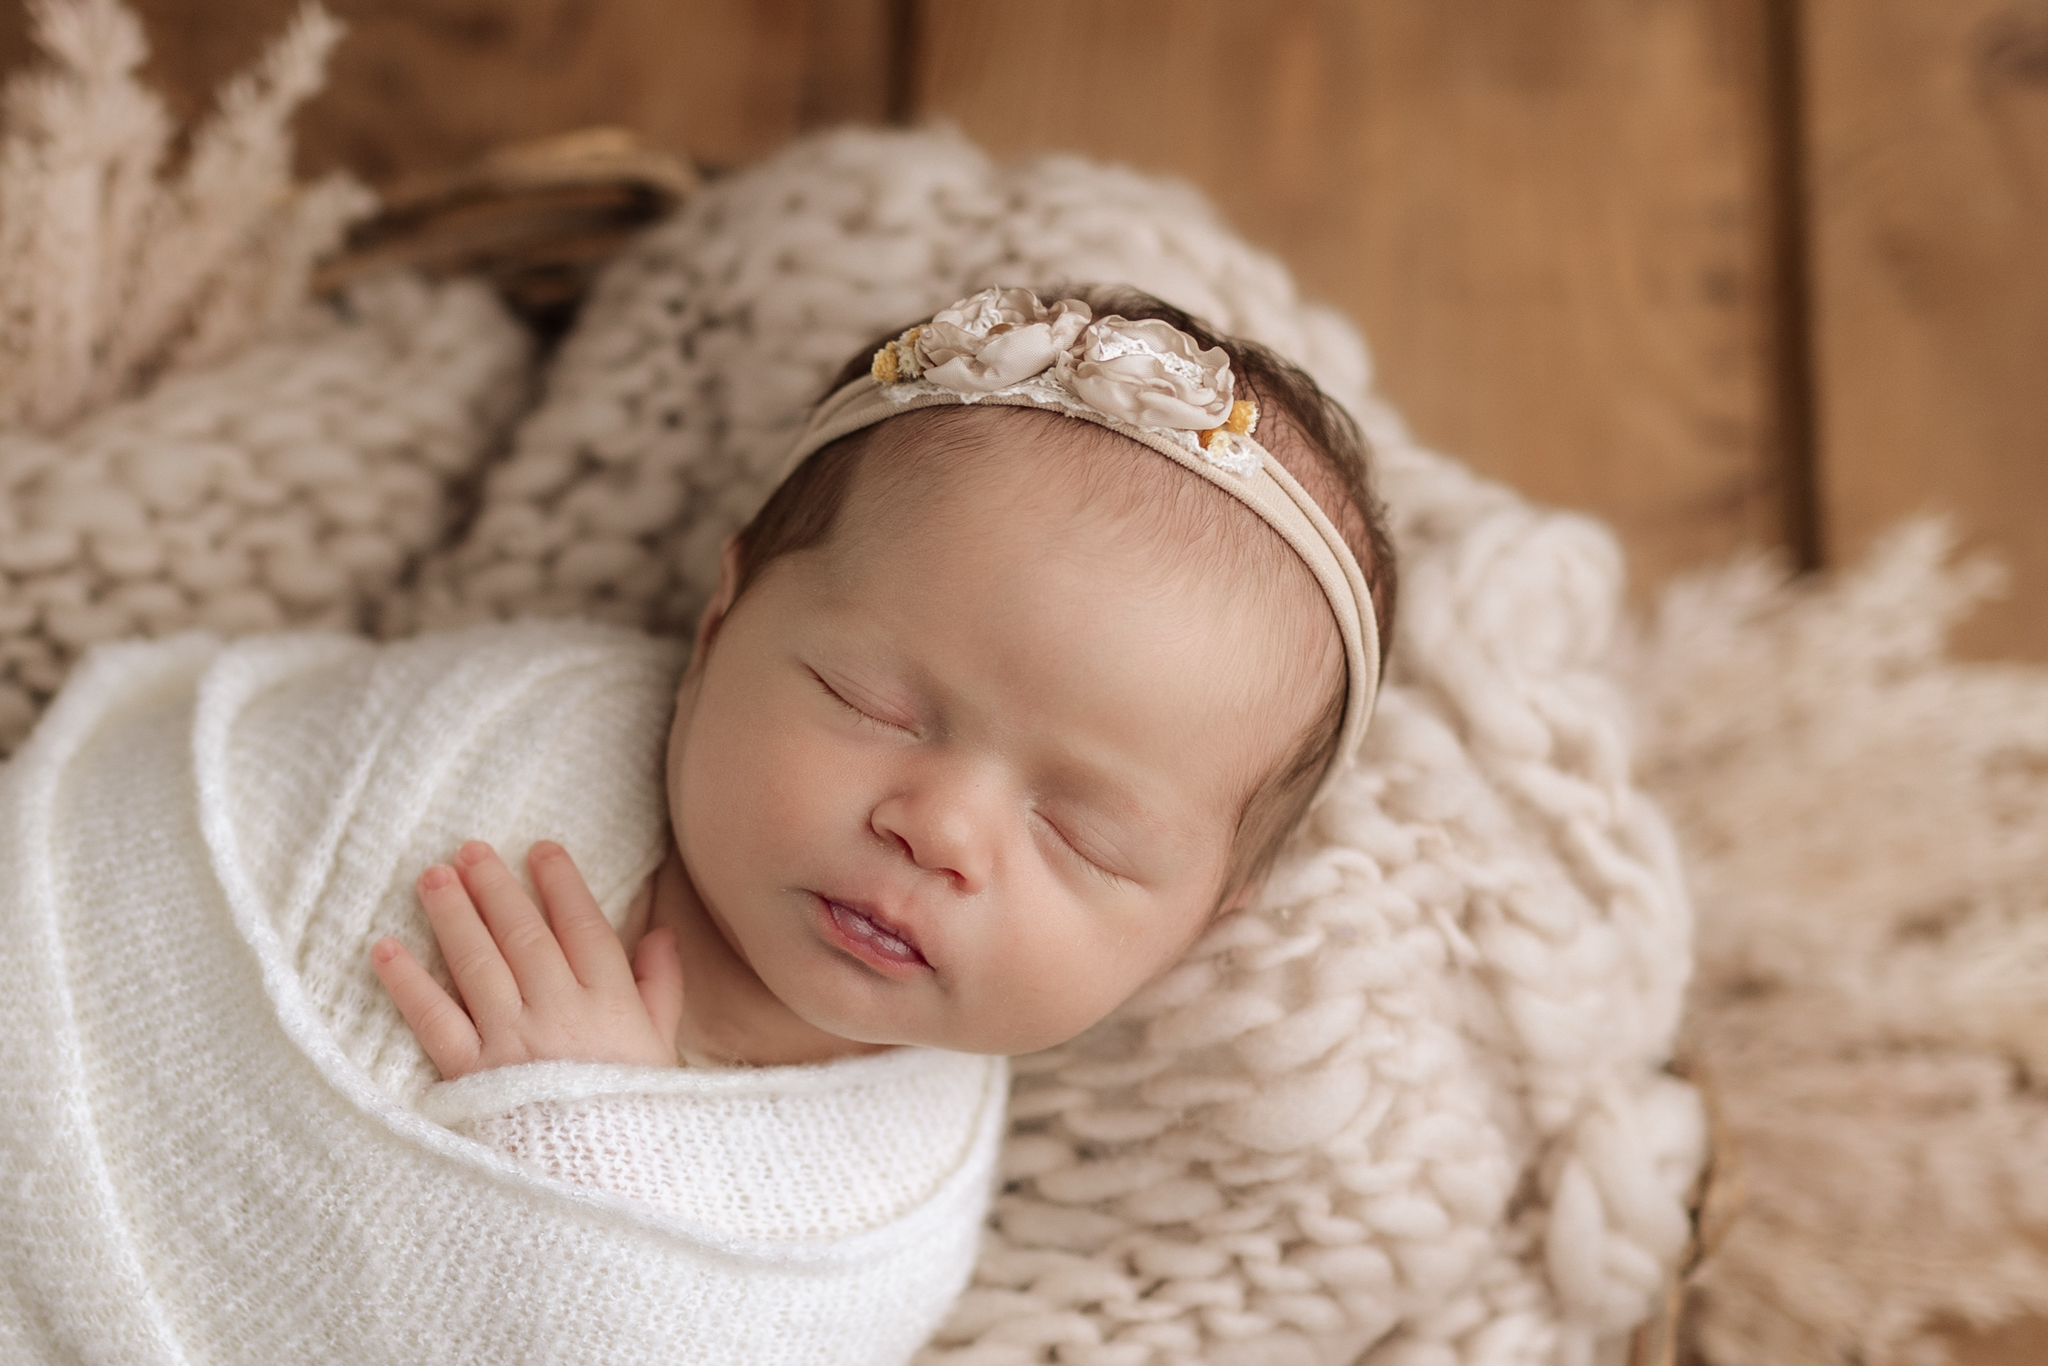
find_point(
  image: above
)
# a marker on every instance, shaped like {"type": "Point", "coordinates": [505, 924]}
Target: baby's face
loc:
{"type": "Point", "coordinates": [971, 783]}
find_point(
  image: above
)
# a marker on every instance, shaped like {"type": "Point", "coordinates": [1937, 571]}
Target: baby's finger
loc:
{"type": "Point", "coordinates": [588, 941]}
{"type": "Point", "coordinates": [441, 1026]}
{"type": "Point", "coordinates": [522, 935]}
{"type": "Point", "coordinates": [474, 961]}
{"type": "Point", "coordinates": [658, 969]}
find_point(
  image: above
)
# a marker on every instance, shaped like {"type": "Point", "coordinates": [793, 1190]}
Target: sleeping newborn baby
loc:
{"type": "Point", "coordinates": [1063, 618]}
{"type": "Point", "coordinates": [992, 712]}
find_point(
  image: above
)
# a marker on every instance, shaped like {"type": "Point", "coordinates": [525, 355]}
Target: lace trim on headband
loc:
{"type": "Point", "coordinates": [1227, 450]}
{"type": "Point", "coordinates": [1115, 345]}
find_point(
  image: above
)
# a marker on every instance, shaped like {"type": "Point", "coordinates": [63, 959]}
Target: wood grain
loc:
{"type": "Point", "coordinates": [1553, 221]}
{"type": "Point", "coordinates": [1928, 156]}
{"type": "Point", "coordinates": [423, 85]}
{"type": "Point", "coordinates": [2024, 1343]}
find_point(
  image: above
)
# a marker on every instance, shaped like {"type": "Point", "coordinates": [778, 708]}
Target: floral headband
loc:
{"type": "Point", "coordinates": [1143, 379]}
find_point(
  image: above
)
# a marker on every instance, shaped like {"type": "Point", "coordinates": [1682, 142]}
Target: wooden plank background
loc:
{"type": "Point", "coordinates": [1928, 225]}
{"type": "Point", "coordinates": [1546, 217]}
{"type": "Point", "coordinates": [1727, 272]}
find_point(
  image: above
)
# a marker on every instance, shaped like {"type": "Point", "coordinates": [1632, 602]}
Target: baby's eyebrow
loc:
{"type": "Point", "coordinates": [859, 660]}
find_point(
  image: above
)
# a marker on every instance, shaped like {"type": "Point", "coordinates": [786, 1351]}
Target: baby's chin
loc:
{"type": "Point", "coordinates": [951, 1036]}
{"type": "Point", "coordinates": [868, 1029]}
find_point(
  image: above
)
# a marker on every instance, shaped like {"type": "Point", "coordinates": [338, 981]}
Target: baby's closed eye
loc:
{"type": "Point", "coordinates": [1068, 836]}
{"type": "Point", "coordinates": [865, 709]}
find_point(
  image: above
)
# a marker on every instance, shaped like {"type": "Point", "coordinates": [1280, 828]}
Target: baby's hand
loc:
{"type": "Point", "coordinates": [533, 989]}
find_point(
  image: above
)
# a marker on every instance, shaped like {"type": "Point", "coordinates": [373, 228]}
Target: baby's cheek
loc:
{"type": "Point", "coordinates": [765, 787]}
{"type": "Point", "coordinates": [1061, 967]}
{"type": "Point", "coordinates": [812, 782]}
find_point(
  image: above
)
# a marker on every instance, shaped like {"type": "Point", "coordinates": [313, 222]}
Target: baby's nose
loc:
{"type": "Point", "coordinates": [943, 825]}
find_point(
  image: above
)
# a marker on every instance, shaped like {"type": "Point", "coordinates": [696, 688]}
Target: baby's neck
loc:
{"type": "Point", "coordinates": [730, 1018]}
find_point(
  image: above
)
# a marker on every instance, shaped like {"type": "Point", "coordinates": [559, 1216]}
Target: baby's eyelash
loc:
{"type": "Point", "coordinates": [836, 696]}
{"type": "Point", "coordinates": [1114, 879]}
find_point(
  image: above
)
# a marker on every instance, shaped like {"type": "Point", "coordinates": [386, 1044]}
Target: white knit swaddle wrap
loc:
{"type": "Point", "coordinates": [207, 1154]}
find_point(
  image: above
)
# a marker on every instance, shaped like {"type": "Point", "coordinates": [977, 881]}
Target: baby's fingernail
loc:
{"type": "Point", "coordinates": [476, 851]}
{"type": "Point", "coordinates": [440, 875]}
{"type": "Point", "coordinates": [384, 950]}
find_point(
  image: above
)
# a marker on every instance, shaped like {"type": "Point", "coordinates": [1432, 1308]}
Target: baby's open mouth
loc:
{"type": "Point", "coordinates": [866, 933]}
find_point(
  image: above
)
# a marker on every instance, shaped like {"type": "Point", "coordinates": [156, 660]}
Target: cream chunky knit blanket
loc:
{"type": "Point", "coordinates": [211, 1148]}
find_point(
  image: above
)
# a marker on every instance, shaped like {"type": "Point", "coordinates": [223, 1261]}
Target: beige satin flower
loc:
{"type": "Point", "coordinates": [1150, 374]}
{"type": "Point", "coordinates": [996, 338]}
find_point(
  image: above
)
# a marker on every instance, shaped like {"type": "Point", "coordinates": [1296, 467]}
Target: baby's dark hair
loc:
{"type": "Point", "coordinates": [1329, 460]}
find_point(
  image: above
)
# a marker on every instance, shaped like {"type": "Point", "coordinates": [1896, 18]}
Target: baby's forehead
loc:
{"type": "Point", "coordinates": [943, 462]}
{"type": "Point", "coordinates": [988, 470]}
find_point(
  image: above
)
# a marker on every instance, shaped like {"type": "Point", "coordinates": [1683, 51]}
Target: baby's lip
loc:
{"type": "Point", "coordinates": [863, 930]}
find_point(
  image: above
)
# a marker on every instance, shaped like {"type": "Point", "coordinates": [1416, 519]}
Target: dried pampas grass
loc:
{"type": "Point", "coordinates": [124, 260]}
{"type": "Point", "coordinates": [1865, 826]}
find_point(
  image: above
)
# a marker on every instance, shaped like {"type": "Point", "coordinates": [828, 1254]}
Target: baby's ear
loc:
{"type": "Point", "coordinates": [721, 597]}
